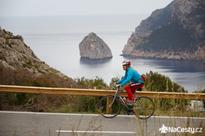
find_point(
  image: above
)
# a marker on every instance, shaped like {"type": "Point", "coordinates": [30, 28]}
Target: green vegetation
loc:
{"type": "Point", "coordinates": [25, 77]}
{"type": "Point", "coordinates": [51, 103]}
{"type": "Point", "coordinates": [31, 102]}
{"type": "Point", "coordinates": [158, 82]}
{"type": "Point", "coordinates": [96, 83]}
{"type": "Point", "coordinates": [201, 91]}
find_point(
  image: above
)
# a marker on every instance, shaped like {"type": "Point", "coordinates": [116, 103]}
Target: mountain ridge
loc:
{"type": "Point", "coordinates": [20, 66]}
{"type": "Point", "coordinates": [174, 32]}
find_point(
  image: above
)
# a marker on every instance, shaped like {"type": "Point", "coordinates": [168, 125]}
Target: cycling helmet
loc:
{"type": "Point", "coordinates": [126, 63]}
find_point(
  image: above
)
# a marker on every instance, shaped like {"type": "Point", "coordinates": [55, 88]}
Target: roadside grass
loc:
{"type": "Point", "coordinates": [93, 125]}
{"type": "Point", "coordinates": [179, 113]}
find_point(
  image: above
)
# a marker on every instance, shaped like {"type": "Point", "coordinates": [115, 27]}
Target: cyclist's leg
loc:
{"type": "Point", "coordinates": [130, 99]}
{"type": "Point", "coordinates": [133, 88]}
{"type": "Point", "coordinates": [136, 86]}
{"type": "Point", "coordinates": [129, 92]}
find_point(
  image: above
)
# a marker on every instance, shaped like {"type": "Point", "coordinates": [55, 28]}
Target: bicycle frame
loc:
{"type": "Point", "coordinates": [117, 95]}
{"type": "Point", "coordinates": [143, 106]}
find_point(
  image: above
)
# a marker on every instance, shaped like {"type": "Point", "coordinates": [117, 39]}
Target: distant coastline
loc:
{"type": "Point", "coordinates": [165, 55]}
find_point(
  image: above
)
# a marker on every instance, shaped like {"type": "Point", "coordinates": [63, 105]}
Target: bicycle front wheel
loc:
{"type": "Point", "coordinates": [108, 109]}
{"type": "Point", "coordinates": [143, 107]}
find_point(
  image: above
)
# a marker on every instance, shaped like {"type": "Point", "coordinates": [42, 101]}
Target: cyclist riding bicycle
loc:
{"type": "Point", "coordinates": [131, 81]}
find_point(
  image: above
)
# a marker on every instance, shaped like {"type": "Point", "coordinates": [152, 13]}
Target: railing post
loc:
{"type": "Point", "coordinates": [109, 101]}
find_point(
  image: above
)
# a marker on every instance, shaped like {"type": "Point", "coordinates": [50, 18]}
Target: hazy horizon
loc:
{"type": "Point", "coordinates": [79, 7]}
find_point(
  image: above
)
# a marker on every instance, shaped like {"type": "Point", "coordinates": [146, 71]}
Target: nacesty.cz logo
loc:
{"type": "Point", "coordinates": [165, 129]}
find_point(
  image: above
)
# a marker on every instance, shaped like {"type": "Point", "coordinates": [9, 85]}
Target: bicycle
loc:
{"type": "Point", "coordinates": [143, 107]}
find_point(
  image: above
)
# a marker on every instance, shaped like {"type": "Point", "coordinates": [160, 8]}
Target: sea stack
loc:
{"type": "Point", "coordinates": [94, 48]}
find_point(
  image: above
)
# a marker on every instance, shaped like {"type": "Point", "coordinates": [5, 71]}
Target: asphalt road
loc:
{"type": "Point", "coordinates": [60, 124]}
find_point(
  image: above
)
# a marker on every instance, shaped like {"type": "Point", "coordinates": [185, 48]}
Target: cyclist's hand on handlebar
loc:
{"type": "Point", "coordinates": [118, 86]}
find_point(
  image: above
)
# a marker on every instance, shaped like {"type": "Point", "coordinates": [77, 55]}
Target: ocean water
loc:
{"type": "Point", "coordinates": [55, 40]}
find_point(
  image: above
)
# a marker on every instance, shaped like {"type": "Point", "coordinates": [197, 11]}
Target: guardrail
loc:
{"type": "Point", "coordinates": [96, 92]}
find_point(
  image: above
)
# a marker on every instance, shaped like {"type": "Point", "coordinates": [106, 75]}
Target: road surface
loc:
{"type": "Point", "coordinates": [68, 124]}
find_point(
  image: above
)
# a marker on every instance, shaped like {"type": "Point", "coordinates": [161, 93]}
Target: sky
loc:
{"type": "Point", "coordinates": [79, 7]}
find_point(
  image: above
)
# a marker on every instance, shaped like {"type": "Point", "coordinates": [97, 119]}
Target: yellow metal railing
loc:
{"type": "Point", "coordinates": [96, 92]}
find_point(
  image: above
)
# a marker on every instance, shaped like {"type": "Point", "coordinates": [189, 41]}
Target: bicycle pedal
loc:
{"type": "Point", "coordinates": [130, 112]}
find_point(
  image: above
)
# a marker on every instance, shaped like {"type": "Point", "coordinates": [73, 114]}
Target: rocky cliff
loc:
{"type": "Point", "coordinates": [174, 32]}
{"type": "Point", "coordinates": [93, 47]}
{"type": "Point", "coordinates": [20, 66]}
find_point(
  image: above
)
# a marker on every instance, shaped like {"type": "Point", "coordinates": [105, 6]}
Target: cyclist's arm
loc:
{"type": "Point", "coordinates": [122, 79]}
{"type": "Point", "coordinates": [127, 79]}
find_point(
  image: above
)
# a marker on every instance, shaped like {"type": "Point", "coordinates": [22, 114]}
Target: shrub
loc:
{"type": "Point", "coordinates": [158, 82]}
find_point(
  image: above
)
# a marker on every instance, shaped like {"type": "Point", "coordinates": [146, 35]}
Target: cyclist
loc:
{"type": "Point", "coordinates": [131, 81]}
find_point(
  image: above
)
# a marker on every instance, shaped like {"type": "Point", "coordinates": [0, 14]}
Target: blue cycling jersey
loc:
{"type": "Point", "coordinates": [130, 75]}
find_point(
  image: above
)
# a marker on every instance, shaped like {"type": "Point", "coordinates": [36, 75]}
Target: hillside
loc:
{"type": "Point", "coordinates": [20, 66]}
{"type": "Point", "coordinates": [174, 32]}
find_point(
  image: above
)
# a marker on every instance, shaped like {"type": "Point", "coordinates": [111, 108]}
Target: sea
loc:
{"type": "Point", "coordinates": [55, 40]}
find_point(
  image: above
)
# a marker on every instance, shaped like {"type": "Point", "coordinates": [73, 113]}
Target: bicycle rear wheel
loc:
{"type": "Point", "coordinates": [114, 109]}
{"type": "Point", "coordinates": [143, 107]}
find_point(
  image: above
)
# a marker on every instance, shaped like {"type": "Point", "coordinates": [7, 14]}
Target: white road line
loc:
{"type": "Point", "coordinates": [96, 132]}
{"type": "Point", "coordinates": [95, 115]}
{"type": "Point", "coordinates": [48, 113]}
{"type": "Point", "coordinates": [177, 117]}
